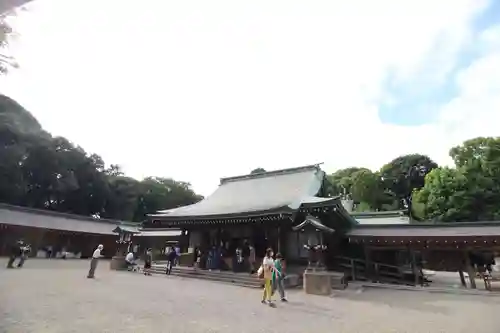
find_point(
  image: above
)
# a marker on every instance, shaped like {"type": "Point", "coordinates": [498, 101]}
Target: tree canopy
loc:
{"type": "Point", "coordinates": [467, 192]}
{"type": "Point", "coordinates": [41, 171]}
{"type": "Point", "coordinates": [258, 170]}
{"type": "Point", "coordinates": [390, 188]}
{"type": "Point", "coordinates": [470, 191]}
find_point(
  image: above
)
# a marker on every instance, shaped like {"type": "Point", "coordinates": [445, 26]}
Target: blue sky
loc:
{"type": "Point", "coordinates": [416, 101]}
{"type": "Point", "coordinates": [199, 90]}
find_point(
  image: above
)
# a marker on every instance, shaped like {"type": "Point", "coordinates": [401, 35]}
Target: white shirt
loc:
{"type": "Point", "coordinates": [97, 254]}
{"type": "Point", "coordinates": [267, 264]}
{"type": "Point", "coordinates": [130, 257]}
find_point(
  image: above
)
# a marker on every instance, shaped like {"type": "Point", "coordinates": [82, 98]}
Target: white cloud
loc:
{"type": "Point", "coordinates": [199, 90]}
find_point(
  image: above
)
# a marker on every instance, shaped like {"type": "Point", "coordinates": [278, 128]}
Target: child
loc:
{"type": "Point", "coordinates": [279, 277]}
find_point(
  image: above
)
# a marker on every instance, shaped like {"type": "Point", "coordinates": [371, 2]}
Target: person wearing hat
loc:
{"type": "Point", "coordinates": [95, 259]}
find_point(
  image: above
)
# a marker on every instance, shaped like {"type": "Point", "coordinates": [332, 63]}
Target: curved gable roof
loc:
{"type": "Point", "coordinates": [275, 191]}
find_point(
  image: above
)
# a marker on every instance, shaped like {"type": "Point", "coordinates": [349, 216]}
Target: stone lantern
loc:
{"type": "Point", "coordinates": [124, 241]}
{"type": "Point", "coordinates": [316, 279]}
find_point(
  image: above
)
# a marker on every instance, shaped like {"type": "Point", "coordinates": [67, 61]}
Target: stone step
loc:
{"type": "Point", "coordinates": [220, 274]}
{"type": "Point", "coordinates": [229, 278]}
{"type": "Point", "coordinates": [227, 274]}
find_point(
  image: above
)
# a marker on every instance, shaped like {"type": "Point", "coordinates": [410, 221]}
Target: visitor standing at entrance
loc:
{"type": "Point", "coordinates": [251, 258]}
{"type": "Point", "coordinates": [279, 277]}
{"type": "Point", "coordinates": [268, 269]}
{"type": "Point", "coordinates": [171, 260]}
{"type": "Point", "coordinates": [148, 261]}
{"type": "Point", "coordinates": [95, 259]}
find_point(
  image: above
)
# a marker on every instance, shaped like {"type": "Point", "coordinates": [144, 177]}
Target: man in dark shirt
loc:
{"type": "Point", "coordinates": [171, 256]}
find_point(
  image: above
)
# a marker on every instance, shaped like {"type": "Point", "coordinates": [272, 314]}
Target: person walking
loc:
{"type": "Point", "coordinates": [279, 277]}
{"type": "Point", "coordinates": [171, 256]}
{"type": "Point", "coordinates": [95, 259]}
{"type": "Point", "coordinates": [267, 270]}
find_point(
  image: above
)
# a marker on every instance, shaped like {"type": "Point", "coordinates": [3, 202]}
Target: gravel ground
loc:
{"type": "Point", "coordinates": [49, 296]}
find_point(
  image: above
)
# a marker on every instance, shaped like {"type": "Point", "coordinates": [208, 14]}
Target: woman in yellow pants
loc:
{"type": "Point", "coordinates": [268, 268]}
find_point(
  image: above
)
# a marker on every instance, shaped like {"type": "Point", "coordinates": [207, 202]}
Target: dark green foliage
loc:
{"type": "Point", "coordinates": [470, 191]}
{"type": "Point", "coordinates": [258, 170]}
{"type": "Point", "coordinates": [41, 171]}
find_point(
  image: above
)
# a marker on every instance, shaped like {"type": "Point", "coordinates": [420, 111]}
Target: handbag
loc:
{"type": "Point", "coordinates": [260, 272]}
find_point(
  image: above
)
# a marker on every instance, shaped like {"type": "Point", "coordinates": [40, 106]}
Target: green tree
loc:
{"type": "Point", "coordinates": [41, 171]}
{"type": "Point", "coordinates": [258, 170]}
{"type": "Point", "coordinates": [405, 174]}
{"type": "Point", "coordinates": [158, 193]}
{"type": "Point", "coordinates": [342, 180]}
{"type": "Point", "coordinates": [367, 188]}
{"type": "Point", "coordinates": [471, 190]}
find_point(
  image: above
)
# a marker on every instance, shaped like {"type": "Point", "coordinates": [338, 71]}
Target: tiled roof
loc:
{"type": "Point", "coordinates": [37, 218]}
{"type": "Point", "coordinates": [276, 191]}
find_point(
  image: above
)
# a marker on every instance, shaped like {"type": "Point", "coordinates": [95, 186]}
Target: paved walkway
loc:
{"type": "Point", "coordinates": [49, 296]}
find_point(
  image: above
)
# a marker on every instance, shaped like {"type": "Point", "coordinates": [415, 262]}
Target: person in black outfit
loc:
{"type": "Point", "coordinates": [148, 261]}
{"type": "Point", "coordinates": [172, 255]}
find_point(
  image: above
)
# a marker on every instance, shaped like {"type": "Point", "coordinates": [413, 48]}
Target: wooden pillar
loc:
{"type": "Point", "coordinates": [470, 270]}
{"type": "Point", "coordinates": [414, 266]}
{"type": "Point", "coordinates": [279, 240]}
{"type": "Point", "coordinates": [369, 271]}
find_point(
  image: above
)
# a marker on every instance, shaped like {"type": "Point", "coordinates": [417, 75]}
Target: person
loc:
{"type": "Point", "coordinates": [25, 250]}
{"type": "Point", "coordinates": [268, 269]}
{"type": "Point", "coordinates": [15, 252]}
{"type": "Point", "coordinates": [197, 258]}
{"type": "Point", "coordinates": [177, 254]}
{"type": "Point", "coordinates": [251, 259]}
{"type": "Point", "coordinates": [171, 256]}
{"type": "Point", "coordinates": [239, 259]}
{"type": "Point", "coordinates": [95, 259]}
{"type": "Point", "coordinates": [210, 259]}
{"type": "Point", "coordinates": [279, 277]}
{"type": "Point", "coordinates": [130, 261]}
{"type": "Point", "coordinates": [49, 251]}
{"type": "Point", "coordinates": [148, 261]}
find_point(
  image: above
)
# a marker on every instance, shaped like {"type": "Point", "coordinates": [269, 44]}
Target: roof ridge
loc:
{"type": "Point", "coordinates": [270, 173]}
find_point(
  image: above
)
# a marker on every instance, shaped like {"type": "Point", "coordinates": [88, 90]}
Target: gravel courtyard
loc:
{"type": "Point", "coordinates": [49, 296]}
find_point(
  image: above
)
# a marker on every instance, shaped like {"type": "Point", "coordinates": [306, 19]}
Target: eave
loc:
{"type": "Point", "coordinates": [7, 6]}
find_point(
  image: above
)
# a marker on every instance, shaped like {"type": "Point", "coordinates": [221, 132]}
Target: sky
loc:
{"type": "Point", "coordinates": [198, 90]}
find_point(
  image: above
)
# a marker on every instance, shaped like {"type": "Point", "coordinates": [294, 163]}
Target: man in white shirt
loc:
{"type": "Point", "coordinates": [94, 261]}
{"type": "Point", "coordinates": [130, 261]}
